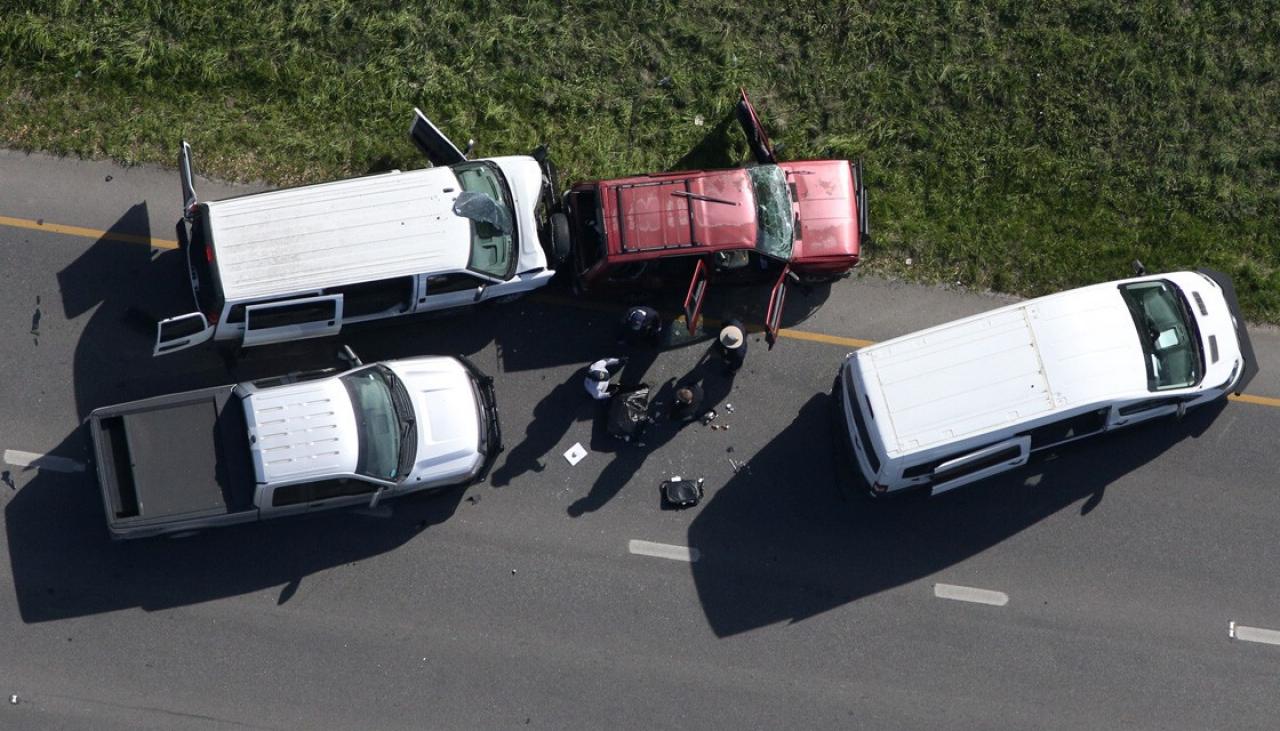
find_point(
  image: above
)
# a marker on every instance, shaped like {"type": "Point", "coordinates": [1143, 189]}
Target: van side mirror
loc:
{"type": "Point", "coordinates": [1182, 410]}
{"type": "Point", "coordinates": [480, 292]}
{"type": "Point", "coordinates": [1138, 269]}
{"type": "Point", "coordinates": [471, 145]}
{"type": "Point", "coordinates": [377, 495]}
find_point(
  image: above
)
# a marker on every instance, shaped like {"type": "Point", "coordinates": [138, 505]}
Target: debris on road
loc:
{"type": "Point", "coordinates": [681, 493]}
{"type": "Point", "coordinates": [13, 699]}
{"type": "Point", "coordinates": [575, 454]}
{"type": "Point", "coordinates": [729, 408]}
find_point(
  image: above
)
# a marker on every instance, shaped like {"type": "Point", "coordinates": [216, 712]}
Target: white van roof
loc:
{"type": "Point", "coordinates": [1000, 368]}
{"type": "Point", "coordinates": [348, 231]}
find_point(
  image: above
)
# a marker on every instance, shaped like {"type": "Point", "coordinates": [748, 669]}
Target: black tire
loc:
{"type": "Point", "coordinates": [560, 243]}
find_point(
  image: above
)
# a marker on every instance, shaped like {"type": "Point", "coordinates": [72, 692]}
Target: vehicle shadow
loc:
{"type": "Point", "coordinates": [780, 542]}
{"type": "Point", "coordinates": [65, 565]}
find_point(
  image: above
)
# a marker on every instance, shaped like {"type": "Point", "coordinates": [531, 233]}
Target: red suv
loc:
{"type": "Point", "coordinates": [792, 220]}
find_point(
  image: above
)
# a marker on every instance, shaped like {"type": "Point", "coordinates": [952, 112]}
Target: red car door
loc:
{"type": "Point", "coordinates": [756, 138]}
{"type": "Point", "coordinates": [697, 293]}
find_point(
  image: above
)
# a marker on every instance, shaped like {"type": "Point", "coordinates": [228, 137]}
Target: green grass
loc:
{"type": "Point", "coordinates": [1019, 148]}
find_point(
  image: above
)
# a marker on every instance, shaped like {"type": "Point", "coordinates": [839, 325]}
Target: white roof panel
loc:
{"type": "Point", "coordinates": [343, 232]}
{"type": "Point", "coordinates": [1003, 367]}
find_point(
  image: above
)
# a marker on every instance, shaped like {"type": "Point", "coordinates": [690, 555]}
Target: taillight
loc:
{"type": "Point", "coordinates": [208, 254]}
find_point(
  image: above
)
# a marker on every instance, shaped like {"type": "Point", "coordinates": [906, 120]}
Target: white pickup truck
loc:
{"type": "Point", "coordinates": [293, 444]}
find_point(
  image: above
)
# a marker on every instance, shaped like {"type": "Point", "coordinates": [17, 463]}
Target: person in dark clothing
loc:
{"type": "Point", "coordinates": [732, 345]}
{"type": "Point", "coordinates": [640, 325]}
{"type": "Point", "coordinates": [687, 406]}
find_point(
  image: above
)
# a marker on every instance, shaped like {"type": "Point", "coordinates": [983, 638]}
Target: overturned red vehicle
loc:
{"type": "Point", "coordinates": [791, 220]}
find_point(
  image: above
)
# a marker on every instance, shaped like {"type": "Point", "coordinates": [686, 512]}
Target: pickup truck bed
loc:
{"type": "Point", "coordinates": [171, 459]}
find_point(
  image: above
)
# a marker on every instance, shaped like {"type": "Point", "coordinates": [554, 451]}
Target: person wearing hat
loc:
{"type": "Point", "coordinates": [598, 381]}
{"type": "Point", "coordinates": [732, 345]}
{"type": "Point", "coordinates": [641, 325]}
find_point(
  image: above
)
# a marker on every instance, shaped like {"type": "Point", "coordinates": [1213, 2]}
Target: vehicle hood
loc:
{"type": "Point", "coordinates": [448, 418]}
{"type": "Point", "coordinates": [301, 431]}
{"type": "Point", "coordinates": [524, 175]}
{"type": "Point", "coordinates": [828, 202]}
{"type": "Point", "coordinates": [651, 213]}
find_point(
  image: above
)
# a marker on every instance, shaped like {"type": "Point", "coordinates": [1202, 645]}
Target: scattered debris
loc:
{"type": "Point", "coordinates": [575, 454]}
{"type": "Point", "coordinates": [108, 178]}
{"type": "Point", "coordinates": [13, 699]}
{"type": "Point", "coordinates": [681, 493]}
{"type": "Point", "coordinates": [513, 572]}
{"type": "Point", "coordinates": [708, 417]}
{"type": "Point", "coordinates": [698, 120]}
{"type": "Point", "coordinates": [735, 465]}
{"type": "Point", "coordinates": [729, 408]}
{"type": "Point", "coordinates": [473, 499]}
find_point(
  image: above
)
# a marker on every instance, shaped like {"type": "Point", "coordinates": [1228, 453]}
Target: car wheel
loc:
{"type": "Point", "coordinates": [560, 244]}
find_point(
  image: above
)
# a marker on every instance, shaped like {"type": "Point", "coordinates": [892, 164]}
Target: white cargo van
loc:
{"type": "Point", "coordinates": [972, 398]}
{"type": "Point", "coordinates": [302, 262]}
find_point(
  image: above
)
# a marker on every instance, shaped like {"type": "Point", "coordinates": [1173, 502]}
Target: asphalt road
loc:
{"type": "Point", "coordinates": [524, 602]}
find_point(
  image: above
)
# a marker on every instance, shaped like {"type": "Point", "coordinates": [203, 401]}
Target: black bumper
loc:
{"type": "Point", "coordinates": [489, 405]}
{"type": "Point", "coordinates": [1250, 367]}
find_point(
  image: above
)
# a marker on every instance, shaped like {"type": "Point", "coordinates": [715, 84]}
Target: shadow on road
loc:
{"type": "Point", "coordinates": [781, 543]}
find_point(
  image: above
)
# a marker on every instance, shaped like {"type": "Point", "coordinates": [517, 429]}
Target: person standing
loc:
{"type": "Point", "coordinates": [732, 345]}
{"type": "Point", "coordinates": [640, 325]}
{"type": "Point", "coordinates": [599, 378]}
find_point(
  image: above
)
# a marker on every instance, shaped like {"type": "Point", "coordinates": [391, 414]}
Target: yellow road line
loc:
{"type": "Point", "coordinates": [93, 233]}
{"type": "Point", "coordinates": [88, 233]}
{"type": "Point", "coordinates": [1251, 399]}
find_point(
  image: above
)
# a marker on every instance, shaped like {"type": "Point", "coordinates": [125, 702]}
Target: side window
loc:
{"type": "Point", "coordinates": [281, 315]}
{"type": "Point", "coordinates": [1148, 405]}
{"type": "Point", "coordinates": [313, 491]}
{"type": "Point", "coordinates": [371, 298]}
{"type": "Point", "coordinates": [1061, 431]}
{"type": "Point", "coordinates": [456, 282]}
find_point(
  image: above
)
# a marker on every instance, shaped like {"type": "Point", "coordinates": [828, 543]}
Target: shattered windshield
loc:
{"type": "Point", "coordinates": [487, 204]}
{"type": "Point", "coordinates": [773, 211]}
{"type": "Point", "coordinates": [1170, 342]}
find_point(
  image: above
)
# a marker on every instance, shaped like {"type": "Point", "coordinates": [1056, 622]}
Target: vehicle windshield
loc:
{"type": "Point", "coordinates": [489, 208]}
{"type": "Point", "coordinates": [773, 209]}
{"type": "Point", "coordinates": [384, 422]}
{"type": "Point", "coordinates": [1169, 338]}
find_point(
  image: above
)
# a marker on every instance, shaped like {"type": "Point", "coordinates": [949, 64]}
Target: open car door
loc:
{"type": "Point", "coordinates": [182, 332]}
{"type": "Point", "coordinates": [756, 138]}
{"type": "Point", "coordinates": [696, 295]}
{"type": "Point", "coordinates": [188, 181]}
{"type": "Point", "coordinates": [438, 148]}
{"type": "Point", "coordinates": [777, 300]}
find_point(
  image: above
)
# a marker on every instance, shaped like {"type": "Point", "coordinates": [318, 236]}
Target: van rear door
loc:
{"type": "Point", "coordinates": [980, 464]}
{"type": "Point", "coordinates": [438, 148]}
{"type": "Point", "coordinates": [182, 332]}
{"type": "Point", "coordinates": [188, 181]}
{"type": "Point", "coordinates": [295, 319]}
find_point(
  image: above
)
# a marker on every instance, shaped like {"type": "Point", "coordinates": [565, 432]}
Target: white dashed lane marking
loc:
{"type": "Point", "coordinates": [663, 550]}
{"type": "Point", "coordinates": [1253, 634]}
{"type": "Point", "coordinates": [41, 461]}
{"type": "Point", "coordinates": [970, 594]}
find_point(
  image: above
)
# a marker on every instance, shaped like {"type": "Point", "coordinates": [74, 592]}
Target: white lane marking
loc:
{"type": "Point", "coordinates": [663, 550]}
{"type": "Point", "coordinates": [41, 461]}
{"type": "Point", "coordinates": [970, 594]}
{"type": "Point", "coordinates": [1253, 634]}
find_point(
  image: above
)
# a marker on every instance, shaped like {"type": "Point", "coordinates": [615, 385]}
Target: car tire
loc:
{"type": "Point", "coordinates": [560, 242]}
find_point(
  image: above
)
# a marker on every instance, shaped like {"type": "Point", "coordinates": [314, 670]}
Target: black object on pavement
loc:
{"type": "Point", "coordinates": [681, 493]}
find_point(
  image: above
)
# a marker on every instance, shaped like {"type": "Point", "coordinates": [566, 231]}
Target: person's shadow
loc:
{"type": "Point", "coordinates": [630, 457]}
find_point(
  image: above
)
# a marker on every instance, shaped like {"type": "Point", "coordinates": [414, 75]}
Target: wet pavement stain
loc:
{"type": "Point", "coordinates": [35, 322]}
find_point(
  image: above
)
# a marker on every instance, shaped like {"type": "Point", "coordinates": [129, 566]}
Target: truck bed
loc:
{"type": "Point", "coordinates": [173, 459]}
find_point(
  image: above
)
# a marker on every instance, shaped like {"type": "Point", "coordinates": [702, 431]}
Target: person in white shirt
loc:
{"type": "Point", "coordinates": [599, 379]}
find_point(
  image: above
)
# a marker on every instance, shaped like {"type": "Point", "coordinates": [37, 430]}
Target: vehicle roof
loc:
{"type": "Point", "coordinates": [1001, 368]}
{"type": "Point", "coordinates": [650, 216]}
{"type": "Point", "coordinates": [302, 430]}
{"type": "Point", "coordinates": [448, 415]}
{"type": "Point", "coordinates": [342, 232]}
